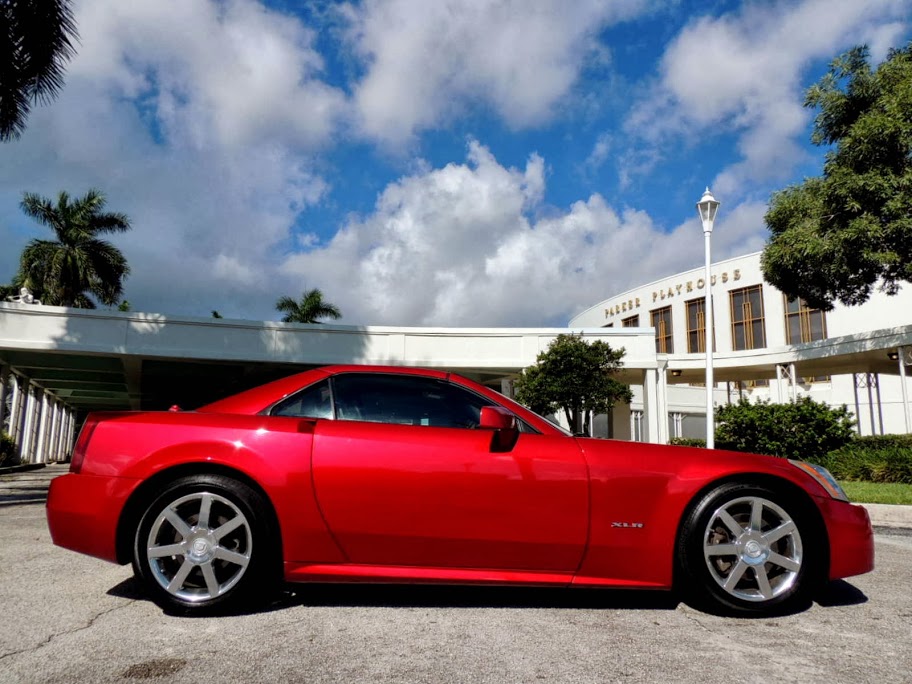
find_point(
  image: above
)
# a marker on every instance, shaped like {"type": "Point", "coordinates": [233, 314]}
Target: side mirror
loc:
{"type": "Point", "coordinates": [503, 423]}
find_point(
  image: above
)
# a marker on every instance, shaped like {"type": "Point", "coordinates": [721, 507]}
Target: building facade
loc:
{"type": "Point", "coordinates": [56, 364]}
{"type": "Point", "coordinates": [767, 346]}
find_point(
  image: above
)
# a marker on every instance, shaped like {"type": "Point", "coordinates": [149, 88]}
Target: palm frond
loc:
{"type": "Point", "coordinates": [78, 264]}
{"type": "Point", "coordinates": [36, 40]}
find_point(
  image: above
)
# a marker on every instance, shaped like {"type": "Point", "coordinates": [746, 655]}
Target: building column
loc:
{"type": "Point", "coordinates": [855, 384]}
{"type": "Point", "coordinates": [678, 420]}
{"type": "Point", "coordinates": [61, 432]}
{"type": "Point", "coordinates": [17, 416]}
{"type": "Point", "coordinates": [15, 408]}
{"type": "Point", "coordinates": [71, 435]}
{"type": "Point", "coordinates": [43, 424]}
{"type": "Point", "coordinates": [50, 429]}
{"type": "Point", "coordinates": [636, 426]}
{"type": "Point", "coordinates": [28, 423]}
{"type": "Point", "coordinates": [785, 372]}
{"type": "Point", "coordinates": [870, 382]}
{"type": "Point", "coordinates": [64, 448]}
{"type": "Point", "coordinates": [879, 403]}
{"type": "Point", "coordinates": [54, 433]}
{"type": "Point", "coordinates": [905, 358]}
{"type": "Point", "coordinates": [662, 404]}
{"type": "Point", "coordinates": [4, 379]}
{"type": "Point", "coordinates": [651, 404]}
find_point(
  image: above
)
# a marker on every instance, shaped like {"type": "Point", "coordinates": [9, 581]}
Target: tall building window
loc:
{"type": "Point", "coordinates": [631, 322]}
{"type": "Point", "coordinates": [802, 323]}
{"type": "Point", "coordinates": [696, 326]}
{"type": "Point", "coordinates": [661, 321]}
{"type": "Point", "coordinates": [748, 325]}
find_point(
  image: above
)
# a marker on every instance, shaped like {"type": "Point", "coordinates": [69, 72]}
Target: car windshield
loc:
{"type": "Point", "coordinates": [553, 422]}
{"type": "Point", "coordinates": [512, 405]}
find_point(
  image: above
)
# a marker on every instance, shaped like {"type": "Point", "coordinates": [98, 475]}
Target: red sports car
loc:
{"type": "Point", "coordinates": [354, 474]}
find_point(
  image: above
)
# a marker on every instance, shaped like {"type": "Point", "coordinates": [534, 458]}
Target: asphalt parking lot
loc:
{"type": "Point", "coordinates": [70, 618]}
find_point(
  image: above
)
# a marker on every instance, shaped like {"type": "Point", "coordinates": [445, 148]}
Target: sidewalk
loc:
{"type": "Point", "coordinates": [29, 486]}
{"type": "Point", "coordinates": [24, 485]}
{"type": "Point", "coordinates": [887, 515]}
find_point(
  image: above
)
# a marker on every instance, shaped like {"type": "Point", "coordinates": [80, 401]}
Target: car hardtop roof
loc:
{"type": "Point", "coordinates": [256, 399]}
{"type": "Point", "coordinates": [404, 370]}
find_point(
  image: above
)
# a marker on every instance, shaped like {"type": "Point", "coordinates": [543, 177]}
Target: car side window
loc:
{"type": "Point", "coordinates": [314, 401]}
{"type": "Point", "coordinates": [405, 400]}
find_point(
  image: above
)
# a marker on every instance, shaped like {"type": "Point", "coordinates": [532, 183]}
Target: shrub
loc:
{"type": "Point", "coordinates": [8, 455]}
{"type": "Point", "coordinates": [878, 458]}
{"type": "Point", "coordinates": [688, 442]}
{"type": "Point", "coordinates": [801, 429]}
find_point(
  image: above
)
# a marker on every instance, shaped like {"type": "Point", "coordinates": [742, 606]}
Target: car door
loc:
{"type": "Point", "coordinates": [404, 477]}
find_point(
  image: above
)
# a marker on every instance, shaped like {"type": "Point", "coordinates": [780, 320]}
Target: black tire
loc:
{"type": "Point", "coordinates": [750, 550]}
{"type": "Point", "coordinates": [227, 564]}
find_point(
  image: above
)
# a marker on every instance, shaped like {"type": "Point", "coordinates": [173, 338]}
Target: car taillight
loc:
{"type": "Point", "coordinates": [79, 451]}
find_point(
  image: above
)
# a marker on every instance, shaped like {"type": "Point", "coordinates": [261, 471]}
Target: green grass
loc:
{"type": "Point", "coordinates": [880, 493]}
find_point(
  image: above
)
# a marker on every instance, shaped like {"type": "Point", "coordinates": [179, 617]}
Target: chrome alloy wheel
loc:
{"type": "Point", "coordinates": [752, 548]}
{"type": "Point", "coordinates": [199, 546]}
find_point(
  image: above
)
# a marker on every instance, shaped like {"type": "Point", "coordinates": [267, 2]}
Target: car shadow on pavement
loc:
{"type": "Point", "coordinates": [836, 594]}
{"type": "Point", "coordinates": [426, 596]}
{"type": "Point", "coordinates": [840, 593]}
{"type": "Point", "coordinates": [436, 596]}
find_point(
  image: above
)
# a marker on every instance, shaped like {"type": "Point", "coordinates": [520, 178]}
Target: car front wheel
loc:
{"type": "Point", "coordinates": [749, 550]}
{"type": "Point", "coordinates": [202, 546]}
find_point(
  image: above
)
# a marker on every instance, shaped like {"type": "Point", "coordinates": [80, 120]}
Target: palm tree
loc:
{"type": "Point", "coordinates": [36, 40]}
{"type": "Point", "coordinates": [308, 310]}
{"type": "Point", "coordinates": [78, 264]}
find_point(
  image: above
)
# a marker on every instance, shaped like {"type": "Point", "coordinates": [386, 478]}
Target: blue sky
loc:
{"type": "Point", "coordinates": [451, 162]}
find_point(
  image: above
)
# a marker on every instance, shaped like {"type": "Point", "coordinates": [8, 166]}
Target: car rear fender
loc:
{"type": "Point", "coordinates": [146, 492]}
{"type": "Point", "coordinates": [283, 477]}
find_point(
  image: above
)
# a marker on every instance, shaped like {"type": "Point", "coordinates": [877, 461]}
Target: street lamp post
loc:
{"type": "Point", "coordinates": [708, 206]}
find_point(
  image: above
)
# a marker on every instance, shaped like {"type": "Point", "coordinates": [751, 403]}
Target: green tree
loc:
{"type": "Point", "coordinates": [310, 309]}
{"type": "Point", "coordinates": [835, 236]}
{"type": "Point", "coordinates": [803, 429]}
{"type": "Point", "coordinates": [78, 264]}
{"type": "Point", "coordinates": [8, 456]}
{"type": "Point", "coordinates": [36, 40]}
{"type": "Point", "coordinates": [573, 376]}
{"type": "Point", "coordinates": [8, 291]}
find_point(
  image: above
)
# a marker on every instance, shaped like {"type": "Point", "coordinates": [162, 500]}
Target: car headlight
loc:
{"type": "Point", "coordinates": [824, 478]}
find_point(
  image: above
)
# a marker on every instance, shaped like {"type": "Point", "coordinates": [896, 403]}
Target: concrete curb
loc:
{"type": "Point", "coordinates": [24, 467]}
{"type": "Point", "coordinates": [889, 515]}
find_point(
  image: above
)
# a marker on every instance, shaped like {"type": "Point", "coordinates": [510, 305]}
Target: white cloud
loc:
{"type": "Point", "coordinates": [460, 246]}
{"type": "Point", "coordinates": [198, 119]}
{"type": "Point", "coordinates": [428, 61]}
{"type": "Point", "coordinates": [600, 151]}
{"type": "Point", "coordinates": [743, 72]}
{"type": "Point", "coordinates": [222, 73]}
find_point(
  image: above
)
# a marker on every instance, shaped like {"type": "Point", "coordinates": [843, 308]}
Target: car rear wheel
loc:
{"type": "Point", "coordinates": [749, 550]}
{"type": "Point", "coordinates": [202, 546]}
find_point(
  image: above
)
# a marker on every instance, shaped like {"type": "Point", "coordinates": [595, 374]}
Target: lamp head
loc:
{"type": "Point", "coordinates": [708, 206]}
